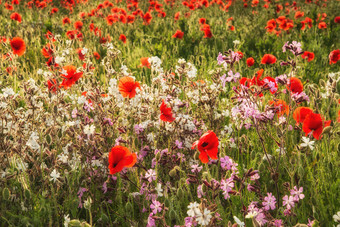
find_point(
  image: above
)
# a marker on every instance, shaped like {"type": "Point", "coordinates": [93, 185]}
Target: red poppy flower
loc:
{"type": "Point", "coordinates": [52, 85]}
{"type": "Point", "coordinates": [334, 56]}
{"type": "Point", "coordinates": [202, 21]}
{"type": "Point", "coordinates": [66, 20]}
{"type": "Point", "coordinates": [271, 25]}
{"type": "Point", "coordinates": [295, 85]}
{"type": "Point", "coordinates": [80, 54]}
{"type": "Point", "coordinates": [18, 46]}
{"type": "Point", "coordinates": [122, 37]}
{"type": "Point", "coordinates": [207, 146]}
{"type": "Point", "coordinates": [176, 17]}
{"type": "Point", "coordinates": [245, 82]}
{"type": "Point", "coordinates": [54, 10]}
{"type": "Point", "coordinates": [147, 18]}
{"type": "Point", "coordinates": [299, 14]}
{"type": "Point", "coordinates": [268, 59]}
{"type": "Point", "coordinates": [308, 55]}
{"type": "Point", "coordinates": [166, 113]}
{"type": "Point", "coordinates": [16, 16]}
{"type": "Point", "coordinates": [338, 117]}
{"type": "Point", "coordinates": [301, 113]}
{"type": "Point", "coordinates": [314, 122]}
{"type": "Point", "coordinates": [231, 27]}
{"type": "Point", "coordinates": [145, 62]}
{"type": "Point", "coordinates": [121, 157]}
{"type": "Point", "coordinates": [256, 79]}
{"type": "Point", "coordinates": [322, 25]}
{"type": "Point", "coordinates": [110, 19]}
{"type": "Point", "coordinates": [8, 6]}
{"type": "Point", "coordinates": [179, 34]}
{"type": "Point", "coordinates": [207, 32]}
{"type": "Point", "coordinates": [307, 21]}
{"type": "Point", "coordinates": [130, 19]}
{"type": "Point", "coordinates": [105, 39]}
{"type": "Point", "coordinates": [72, 34]}
{"type": "Point", "coordinates": [337, 20]}
{"type": "Point", "coordinates": [250, 61]}
{"type": "Point", "coordinates": [48, 50]}
{"type": "Point", "coordinates": [71, 77]}
{"type": "Point", "coordinates": [240, 54]}
{"type": "Point", "coordinates": [82, 15]}
{"type": "Point", "coordinates": [127, 86]}
{"type": "Point", "coordinates": [9, 70]}
{"type": "Point", "coordinates": [96, 55]}
{"type": "Point", "coordinates": [281, 107]}
{"type": "Point", "coordinates": [78, 25]}
{"type": "Point", "coordinates": [270, 83]}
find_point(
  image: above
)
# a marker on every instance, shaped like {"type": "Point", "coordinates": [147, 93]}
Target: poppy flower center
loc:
{"type": "Point", "coordinates": [16, 45]}
{"type": "Point", "coordinates": [205, 144]}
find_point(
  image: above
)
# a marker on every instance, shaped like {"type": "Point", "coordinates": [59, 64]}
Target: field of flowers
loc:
{"type": "Point", "coordinates": [170, 113]}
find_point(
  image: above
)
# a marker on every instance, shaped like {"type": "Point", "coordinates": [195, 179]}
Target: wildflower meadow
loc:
{"type": "Point", "coordinates": [170, 113]}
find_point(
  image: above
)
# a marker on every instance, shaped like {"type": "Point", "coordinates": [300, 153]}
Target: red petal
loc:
{"type": "Point", "coordinates": [204, 157]}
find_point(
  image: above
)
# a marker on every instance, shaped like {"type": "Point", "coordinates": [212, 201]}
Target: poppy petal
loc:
{"type": "Point", "coordinates": [204, 157]}
{"type": "Point", "coordinates": [213, 153]}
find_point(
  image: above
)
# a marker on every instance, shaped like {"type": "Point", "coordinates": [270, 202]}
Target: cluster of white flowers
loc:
{"type": "Point", "coordinates": [59, 60]}
{"type": "Point", "coordinates": [202, 218]}
{"type": "Point", "coordinates": [156, 63]}
{"type": "Point", "coordinates": [32, 141]}
{"type": "Point", "coordinates": [185, 122]}
{"type": "Point", "coordinates": [192, 71]}
{"type": "Point", "coordinates": [89, 129]}
{"type": "Point", "coordinates": [186, 67]}
{"type": "Point", "coordinates": [7, 92]}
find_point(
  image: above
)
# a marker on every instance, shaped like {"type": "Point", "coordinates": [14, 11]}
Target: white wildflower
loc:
{"type": "Point", "coordinates": [239, 222]}
{"type": "Point", "coordinates": [159, 189]}
{"type": "Point", "coordinates": [89, 130]}
{"type": "Point", "coordinates": [204, 218]}
{"type": "Point", "coordinates": [307, 143]}
{"type": "Point", "coordinates": [193, 209]}
{"type": "Point", "coordinates": [66, 220]}
{"type": "Point", "coordinates": [54, 175]}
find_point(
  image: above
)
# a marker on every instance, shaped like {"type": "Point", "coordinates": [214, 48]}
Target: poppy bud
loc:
{"type": "Point", "coordinates": [334, 84]}
{"type": "Point", "coordinates": [6, 194]}
{"type": "Point", "coordinates": [85, 224]}
{"type": "Point", "coordinates": [204, 188]}
{"type": "Point", "coordinates": [74, 223]}
{"type": "Point", "coordinates": [104, 218]}
{"type": "Point", "coordinates": [27, 194]}
{"type": "Point", "coordinates": [205, 175]}
{"type": "Point", "coordinates": [173, 215]}
{"type": "Point", "coordinates": [173, 172]}
{"type": "Point", "coordinates": [48, 138]}
{"type": "Point", "coordinates": [158, 156]}
{"type": "Point", "coordinates": [180, 193]}
{"type": "Point", "coordinates": [166, 203]}
{"type": "Point", "coordinates": [326, 130]}
{"type": "Point", "coordinates": [322, 83]}
{"type": "Point", "coordinates": [129, 208]}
